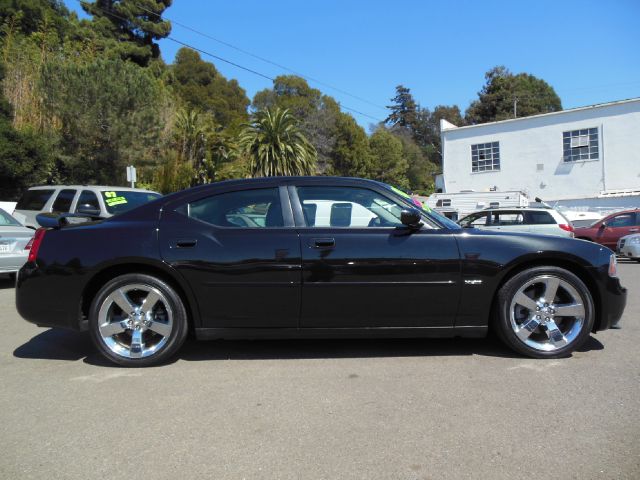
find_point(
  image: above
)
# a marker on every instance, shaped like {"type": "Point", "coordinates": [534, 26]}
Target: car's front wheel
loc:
{"type": "Point", "coordinates": [137, 321]}
{"type": "Point", "coordinates": [545, 312]}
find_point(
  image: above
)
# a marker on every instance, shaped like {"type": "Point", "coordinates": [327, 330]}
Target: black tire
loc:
{"type": "Point", "coordinates": [503, 324]}
{"type": "Point", "coordinates": [179, 324]}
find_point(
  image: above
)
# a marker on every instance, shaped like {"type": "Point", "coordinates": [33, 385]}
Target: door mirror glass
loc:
{"type": "Point", "coordinates": [411, 217]}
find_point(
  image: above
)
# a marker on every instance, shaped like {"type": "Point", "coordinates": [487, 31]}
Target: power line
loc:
{"type": "Point", "coordinates": [217, 57]}
{"type": "Point", "coordinates": [262, 59]}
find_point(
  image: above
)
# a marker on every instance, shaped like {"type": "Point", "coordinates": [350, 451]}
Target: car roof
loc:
{"type": "Point", "coordinates": [91, 187]}
{"type": "Point", "coordinates": [632, 210]}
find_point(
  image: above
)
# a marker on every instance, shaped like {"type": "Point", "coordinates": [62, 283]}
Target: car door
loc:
{"type": "Point", "coordinates": [615, 227]}
{"type": "Point", "coordinates": [239, 252]}
{"type": "Point", "coordinates": [361, 268]}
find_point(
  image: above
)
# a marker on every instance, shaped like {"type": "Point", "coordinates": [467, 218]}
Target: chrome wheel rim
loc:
{"type": "Point", "coordinates": [135, 321]}
{"type": "Point", "coordinates": [547, 313]}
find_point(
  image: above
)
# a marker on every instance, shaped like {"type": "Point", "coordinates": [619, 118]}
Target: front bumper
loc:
{"type": "Point", "coordinates": [613, 301]}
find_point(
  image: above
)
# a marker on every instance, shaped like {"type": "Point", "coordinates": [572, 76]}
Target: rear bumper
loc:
{"type": "Point", "coordinates": [43, 302]}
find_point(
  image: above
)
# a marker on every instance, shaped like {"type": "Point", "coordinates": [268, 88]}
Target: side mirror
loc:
{"type": "Point", "coordinates": [411, 218]}
{"type": "Point", "coordinates": [87, 209]}
{"type": "Point", "coordinates": [603, 225]}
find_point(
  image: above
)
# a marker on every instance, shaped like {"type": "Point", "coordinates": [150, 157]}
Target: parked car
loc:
{"type": "Point", "coordinates": [610, 229]}
{"type": "Point", "coordinates": [140, 281]}
{"type": "Point", "coordinates": [94, 200]}
{"type": "Point", "coordinates": [629, 246]}
{"type": "Point", "coordinates": [543, 221]}
{"type": "Point", "coordinates": [14, 243]}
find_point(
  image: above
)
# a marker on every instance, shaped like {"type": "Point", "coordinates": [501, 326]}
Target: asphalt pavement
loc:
{"type": "Point", "coordinates": [322, 409]}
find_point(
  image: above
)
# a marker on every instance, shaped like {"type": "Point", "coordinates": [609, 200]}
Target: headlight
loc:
{"type": "Point", "coordinates": [633, 241]}
{"type": "Point", "coordinates": [613, 266]}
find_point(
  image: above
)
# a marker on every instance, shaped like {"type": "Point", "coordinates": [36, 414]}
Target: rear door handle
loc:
{"type": "Point", "coordinates": [324, 242]}
{"type": "Point", "coordinates": [186, 243]}
{"type": "Point", "coordinates": [633, 229]}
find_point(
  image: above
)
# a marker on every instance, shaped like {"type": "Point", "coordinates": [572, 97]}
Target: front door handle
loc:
{"type": "Point", "coordinates": [324, 242]}
{"type": "Point", "coordinates": [633, 229]}
{"type": "Point", "coordinates": [186, 243]}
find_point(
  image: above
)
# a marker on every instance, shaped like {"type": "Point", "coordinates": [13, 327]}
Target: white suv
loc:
{"type": "Point", "coordinates": [94, 200]}
{"type": "Point", "coordinates": [541, 221]}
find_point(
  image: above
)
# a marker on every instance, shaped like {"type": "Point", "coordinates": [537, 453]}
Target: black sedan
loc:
{"type": "Point", "coordinates": [309, 257]}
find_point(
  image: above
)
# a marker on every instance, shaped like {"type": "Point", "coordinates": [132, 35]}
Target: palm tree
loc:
{"type": "Point", "coordinates": [275, 145]}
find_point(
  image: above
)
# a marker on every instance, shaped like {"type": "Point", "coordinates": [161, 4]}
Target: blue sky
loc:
{"type": "Point", "coordinates": [587, 50]}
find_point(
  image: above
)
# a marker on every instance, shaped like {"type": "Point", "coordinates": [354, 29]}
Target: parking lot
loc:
{"type": "Point", "coordinates": [361, 409]}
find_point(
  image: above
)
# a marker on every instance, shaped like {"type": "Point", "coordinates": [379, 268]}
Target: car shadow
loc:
{"type": "Point", "coordinates": [59, 344]}
{"type": "Point", "coordinates": [6, 282]}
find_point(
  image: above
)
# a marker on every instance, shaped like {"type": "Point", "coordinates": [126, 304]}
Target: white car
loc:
{"type": "Point", "coordinates": [629, 246]}
{"type": "Point", "coordinates": [541, 221]}
{"type": "Point", "coordinates": [14, 243]}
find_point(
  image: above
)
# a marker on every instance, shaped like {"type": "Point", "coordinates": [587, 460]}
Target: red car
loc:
{"type": "Point", "coordinates": [608, 230]}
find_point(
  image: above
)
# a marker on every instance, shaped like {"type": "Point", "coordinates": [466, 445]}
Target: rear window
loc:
{"type": "Point", "coordinates": [119, 201]}
{"type": "Point", "coordinates": [34, 199]}
{"type": "Point", "coordinates": [7, 220]}
{"type": "Point", "coordinates": [540, 218]}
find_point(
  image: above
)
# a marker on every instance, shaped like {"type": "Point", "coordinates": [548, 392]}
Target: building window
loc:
{"type": "Point", "coordinates": [580, 145]}
{"type": "Point", "coordinates": [485, 157]}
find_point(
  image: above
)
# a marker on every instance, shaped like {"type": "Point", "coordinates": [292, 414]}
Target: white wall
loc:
{"type": "Point", "coordinates": [527, 142]}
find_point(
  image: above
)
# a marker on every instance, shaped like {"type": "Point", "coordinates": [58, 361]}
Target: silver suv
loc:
{"type": "Point", "coordinates": [541, 221]}
{"type": "Point", "coordinates": [94, 200]}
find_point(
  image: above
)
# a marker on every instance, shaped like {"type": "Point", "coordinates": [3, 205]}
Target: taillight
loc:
{"type": "Point", "coordinates": [34, 244]}
{"type": "Point", "coordinates": [566, 227]}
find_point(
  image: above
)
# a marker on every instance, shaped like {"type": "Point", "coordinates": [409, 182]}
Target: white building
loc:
{"type": "Point", "coordinates": [572, 154]}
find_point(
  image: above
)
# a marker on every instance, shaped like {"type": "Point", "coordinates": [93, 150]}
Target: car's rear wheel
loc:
{"type": "Point", "coordinates": [545, 312]}
{"type": "Point", "coordinates": [137, 321]}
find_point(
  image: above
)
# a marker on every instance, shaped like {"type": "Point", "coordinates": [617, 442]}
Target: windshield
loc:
{"type": "Point", "coordinates": [7, 220]}
{"type": "Point", "coordinates": [120, 201]}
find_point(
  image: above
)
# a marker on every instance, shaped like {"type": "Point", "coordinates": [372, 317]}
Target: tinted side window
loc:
{"type": "Point", "coordinates": [34, 199]}
{"type": "Point", "coordinates": [63, 201]}
{"type": "Point", "coordinates": [624, 220]}
{"type": "Point", "coordinates": [88, 199]}
{"type": "Point", "coordinates": [475, 220]}
{"type": "Point", "coordinates": [506, 218]}
{"type": "Point", "coordinates": [539, 218]}
{"type": "Point", "coordinates": [257, 208]}
{"type": "Point", "coordinates": [348, 207]}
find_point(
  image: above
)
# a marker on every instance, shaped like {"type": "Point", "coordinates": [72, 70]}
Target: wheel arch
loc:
{"type": "Point", "coordinates": [572, 266]}
{"type": "Point", "coordinates": [160, 271]}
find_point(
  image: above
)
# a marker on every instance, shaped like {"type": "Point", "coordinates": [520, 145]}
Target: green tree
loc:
{"type": "Point", "coordinates": [420, 170]}
{"type": "Point", "coordinates": [389, 165]}
{"type": "Point", "coordinates": [28, 16]}
{"type": "Point", "coordinates": [351, 156]}
{"type": "Point", "coordinates": [130, 27]}
{"type": "Point", "coordinates": [104, 124]}
{"type": "Point", "coordinates": [275, 145]}
{"type": "Point", "coordinates": [25, 157]}
{"type": "Point", "coordinates": [317, 113]}
{"type": "Point", "coordinates": [506, 95]}
{"type": "Point", "coordinates": [403, 109]}
{"type": "Point", "coordinates": [201, 87]}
